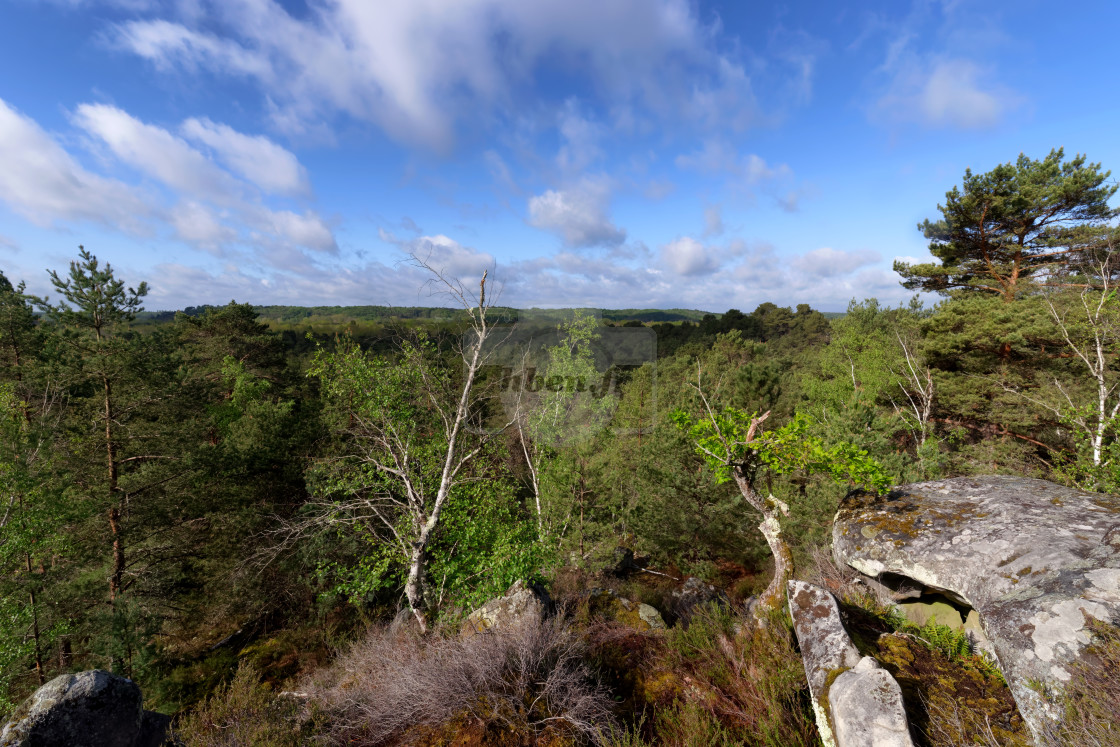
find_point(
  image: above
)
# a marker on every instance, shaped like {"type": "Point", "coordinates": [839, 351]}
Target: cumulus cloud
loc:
{"type": "Point", "coordinates": [687, 257]}
{"type": "Point", "coordinates": [44, 183]}
{"type": "Point", "coordinates": [253, 157]}
{"type": "Point", "coordinates": [201, 204]}
{"type": "Point", "coordinates": [943, 93]}
{"type": "Point", "coordinates": [443, 254]}
{"type": "Point", "coordinates": [577, 214]}
{"type": "Point", "coordinates": [416, 69]}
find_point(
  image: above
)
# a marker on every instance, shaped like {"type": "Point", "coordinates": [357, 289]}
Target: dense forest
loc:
{"type": "Point", "coordinates": [186, 493]}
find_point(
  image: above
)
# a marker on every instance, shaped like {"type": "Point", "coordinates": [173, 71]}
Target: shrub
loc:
{"type": "Point", "coordinates": [244, 713]}
{"type": "Point", "coordinates": [530, 680]}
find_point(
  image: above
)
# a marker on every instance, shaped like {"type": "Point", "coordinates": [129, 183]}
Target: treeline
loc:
{"type": "Point", "coordinates": [181, 495]}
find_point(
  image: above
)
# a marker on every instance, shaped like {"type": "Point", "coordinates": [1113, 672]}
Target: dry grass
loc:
{"type": "Point", "coordinates": [530, 680]}
{"type": "Point", "coordinates": [1092, 696]}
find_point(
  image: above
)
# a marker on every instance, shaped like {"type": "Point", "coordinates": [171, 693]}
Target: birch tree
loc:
{"type": "Point", "coordinates": [409, 444]}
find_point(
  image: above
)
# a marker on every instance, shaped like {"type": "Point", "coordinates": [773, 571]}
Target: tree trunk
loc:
{"type": "Point", "coordinates": [771, 529]}
{"type": "Point", "coordinates": [414, 586]}
{"type": "Point", "coordinates": [35, 627]}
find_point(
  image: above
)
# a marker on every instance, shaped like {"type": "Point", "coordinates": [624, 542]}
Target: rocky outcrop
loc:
{"type": "Point", "coordinates": [87, 709]}
{"type": "Point", "coordinates": [693, 594]}
{"type": "Point", "coordinates": [521, 604]}
{"type": "Point", "coordinates": [1032, 558]}
{"type": "Point", "coordinates": [867, 709]}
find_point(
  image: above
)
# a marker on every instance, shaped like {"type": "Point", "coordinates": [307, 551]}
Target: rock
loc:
{"type": "Point", "coordinates": [521, 604]}
{"type": "Point", "coordinates": [694, 593]}
{"type": "Point", "coordinates": [921, 612]}
{"type": "Point", "coordinates": [866, 706]}
{"type": "Point", "coordinates": [651, 617]}
{"type": "Point", "coordinates": [94, 709]}
{"type": "Point", "coordinates": [1032, 558]}
{"type": "Point", "coordinates": [608, 605]}
{"type": "Point", "coordinates": [825, 645]}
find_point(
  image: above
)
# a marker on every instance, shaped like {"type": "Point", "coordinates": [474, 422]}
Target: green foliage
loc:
{"type": "Point", "coordinates": [722, 438]}
{"type": "Point", "coordinates": [1014, 225]}
{"type": "Point", "coordinates": [485, 543]}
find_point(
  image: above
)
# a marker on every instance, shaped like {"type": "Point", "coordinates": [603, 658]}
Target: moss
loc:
{"type": "Point", "coordinates": [822, 701]}
{"type": "Point", "coordinates": [938, 689]}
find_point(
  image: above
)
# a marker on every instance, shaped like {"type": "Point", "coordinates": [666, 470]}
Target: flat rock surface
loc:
{"type": "Point", "coordinates": [1031, 557]}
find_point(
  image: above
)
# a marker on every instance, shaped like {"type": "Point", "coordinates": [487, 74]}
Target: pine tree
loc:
{"type": "Point", "coordinates": [1018, 224]}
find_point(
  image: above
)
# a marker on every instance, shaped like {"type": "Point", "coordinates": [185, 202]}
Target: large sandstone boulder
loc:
{"type": "Point", "coordinates": [854, 700]}
{"type": "Point", "coordinates": [521, 604]}
{"type": "Point", "coordinates": [1032, 558]}
{"type": "Point", "coordinates": [87, 709]}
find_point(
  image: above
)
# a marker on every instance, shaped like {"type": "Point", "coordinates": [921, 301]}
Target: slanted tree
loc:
{"type": "Point", "coordinates": [735, 446]}
{"type": "Point", "coordinates": [1015, 225]}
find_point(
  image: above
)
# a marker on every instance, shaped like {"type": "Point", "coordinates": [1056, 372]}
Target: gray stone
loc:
{"type": "Point", "coordinates": [825, 645]}
{"type": "Point", "coordinates": [1032, 558]}
{"type": "Point", "coordinates": [651, 617]}
{"type": "Point", "coordinates": [94, 709]}
{"type": "Point", "coordinates": [866, 705]}
{"type": "Point", "coordinates": [521, 604]}
{"type": "Point", "coordinates": [694, 593]}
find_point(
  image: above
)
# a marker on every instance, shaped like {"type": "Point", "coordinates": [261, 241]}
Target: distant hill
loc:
{"type": "Point", "coordinates": [344, 314]}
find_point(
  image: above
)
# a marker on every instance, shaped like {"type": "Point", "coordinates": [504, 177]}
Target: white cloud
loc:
{"type": "Point", "coordinates": [416, 69]}
{"type": "Point", "coordinates": [197, 224]}
{"type": "Point", "coordinates": [443, 254]}
{"type": "Point", "coordinates": [577, 214]}
{"type": "Point", "coordinates": [828, 263]}
{"type": "Point", "coordinates": [253, 157]}
{"type": "Point", "coordinates": [687, 257]}
{"type": "Point", "coordinates": [168, 44]}
{"type": "Point", "coordinates": [716, 156]}
{"type": "Point", "coordinates": [44, 183]}
{"type": "Point", "coordinates": [942, 93]}
{"type": "Point", "coordinates": [581, 140]}
{"type": "Point", "coordinates": [156, 152]}
{"type": "Point", "coordinates": [306, 229]}
{"type": "Point", "coordinates": [203, 206]}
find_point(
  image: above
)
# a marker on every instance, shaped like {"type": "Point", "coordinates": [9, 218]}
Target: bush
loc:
{"type": "Point", "coordinates": [244, 713]}
{"type": "Point", "coordinates": [530, 680]}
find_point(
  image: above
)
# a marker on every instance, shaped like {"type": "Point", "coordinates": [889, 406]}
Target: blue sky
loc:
{"type": "Point", "coordinates": [612, 153]}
